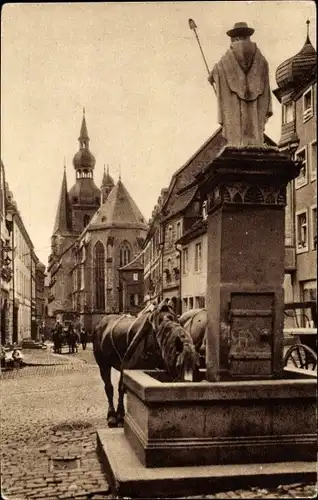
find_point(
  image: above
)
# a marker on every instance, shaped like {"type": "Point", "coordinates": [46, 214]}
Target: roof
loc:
{"type": "Point", "coordinates": [119, 210]}
{"type": "Point", "coordinates": [186, 174]}
{"type": "Point", "coordinates": [107, 178]}
{"type": "Point", "coordinates": [63, 218]}
{"type": "Point", "coordinates": [83, 132]}
{"type": "Point", "coordinates": [181, 201]}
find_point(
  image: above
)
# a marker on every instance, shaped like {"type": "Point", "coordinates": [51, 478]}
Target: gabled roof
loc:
{"type": "Point", "coordinates": [119, 210]}
{"type": "Point", "coordinates": [186, 174]}
{"type": "Point", "coordinates": [181, 201]}
{"type": "Point", "coordinates": [63, 219]}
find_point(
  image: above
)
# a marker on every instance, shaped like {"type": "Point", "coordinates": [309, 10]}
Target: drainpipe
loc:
{"type": "Point", "coordinates": [178, 248]}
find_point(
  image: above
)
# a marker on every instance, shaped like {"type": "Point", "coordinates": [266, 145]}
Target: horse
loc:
{"type": "Point", "coordinates": [195, 322]}
{"type": "Point", "coordinates": [122, 341]}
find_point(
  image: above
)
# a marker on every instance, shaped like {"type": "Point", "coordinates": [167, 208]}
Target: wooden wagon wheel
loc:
{"type": "Point", "coordinates": [301, 356]}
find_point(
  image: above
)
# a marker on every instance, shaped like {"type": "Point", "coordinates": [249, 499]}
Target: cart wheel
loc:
{"type": "Point", "coordinates": [301, 356]}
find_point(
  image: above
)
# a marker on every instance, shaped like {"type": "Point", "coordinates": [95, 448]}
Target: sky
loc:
{"type": "Point", "coordinates": [137, 69]}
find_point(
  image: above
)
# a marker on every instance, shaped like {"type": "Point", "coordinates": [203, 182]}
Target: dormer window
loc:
{"type": "Point", "coordinates": [308, 104]}
{"type": "Point", "coordinates": [288, 112]}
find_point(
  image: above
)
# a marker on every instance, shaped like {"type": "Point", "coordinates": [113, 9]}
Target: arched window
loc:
{"type": "Point", "coordinates": [99, 261]}
{"type": "Point", "coordinates": [124, 253]}
{"type": "Point", "coordinates": [86, 220]}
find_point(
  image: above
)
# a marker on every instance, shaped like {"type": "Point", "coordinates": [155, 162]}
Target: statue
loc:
{"type": "Point", "coordinates": [242, 87]}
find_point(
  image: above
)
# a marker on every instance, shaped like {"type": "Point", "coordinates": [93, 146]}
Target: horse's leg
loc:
{"type": "Point", "coordinates": [120, 407]}
{"type": "Point", "coordinates": [109, 390]}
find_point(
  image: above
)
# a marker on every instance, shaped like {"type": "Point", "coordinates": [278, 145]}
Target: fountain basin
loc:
{"type": "Point", "coordinates": [172, 424]}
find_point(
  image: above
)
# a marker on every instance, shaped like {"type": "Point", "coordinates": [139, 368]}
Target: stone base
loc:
{"type": "Point", "coordinates": [127, 476]}
{"type": "Point", "coordinates": [233, 422]}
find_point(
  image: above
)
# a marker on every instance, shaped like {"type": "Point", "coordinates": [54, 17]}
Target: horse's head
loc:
{"type": "Point", "coordinates": [187, 361]}
{"type": "Point", "coordinates": [175, 343]}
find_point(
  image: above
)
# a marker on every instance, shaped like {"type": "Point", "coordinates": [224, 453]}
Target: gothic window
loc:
{"type": "Point", "coordinates": [99, 261]}
{"type": "Point", "coordinates": [86, 220]}
{"type": "Point", "coordinates": [124, 253]}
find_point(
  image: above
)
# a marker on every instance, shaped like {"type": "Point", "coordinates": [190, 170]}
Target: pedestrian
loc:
{"type": "Point", "coordinates": [17, 357]}
{"type": "Point", "coordinates": [83, 339]}
{"type": "Point", "coordinates": [57, 338]}
{"type": "Point", "coordinates": [71, 339]}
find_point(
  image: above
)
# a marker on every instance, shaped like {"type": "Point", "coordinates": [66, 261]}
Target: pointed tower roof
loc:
{"type": "Point", "coordinates": [83, 133]}
{"type": "Point", "coordinates": [84, 158]}
{"type": "Point", "coordinates": [107, 179]}
{"type": "Point", "coordinates": [119, 210]}
{"type": "Point", "coordinates": [63, 220]}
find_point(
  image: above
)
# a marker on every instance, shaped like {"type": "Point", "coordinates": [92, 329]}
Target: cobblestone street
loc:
{"type": "Point", "coordinates": [49, 414]}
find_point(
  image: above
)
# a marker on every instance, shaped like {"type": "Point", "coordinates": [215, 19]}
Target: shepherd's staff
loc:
{"type": "Point", "coordinates": [193, 27]}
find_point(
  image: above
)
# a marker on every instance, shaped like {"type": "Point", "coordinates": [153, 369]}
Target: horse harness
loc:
{"type": "Point", "coordinates": [127, 335]}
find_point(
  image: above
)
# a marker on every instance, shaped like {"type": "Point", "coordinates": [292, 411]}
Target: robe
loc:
{"type": "Point", "coordinates": [244, 97]}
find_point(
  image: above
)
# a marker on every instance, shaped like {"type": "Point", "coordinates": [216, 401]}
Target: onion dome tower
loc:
{"type": "Point", "coordinates": [107, 185]}
{"type": "Point", "coordinates": [84, 195]}
{"type": "Point", "coordinates": [292, 76]}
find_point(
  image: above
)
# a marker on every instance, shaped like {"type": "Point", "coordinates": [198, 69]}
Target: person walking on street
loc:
{"type": "Point", "coordinates": [71, 339]}
{"type": "Point", "coordinates": [83, 338]}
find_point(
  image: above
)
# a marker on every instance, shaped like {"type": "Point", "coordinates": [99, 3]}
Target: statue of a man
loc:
{"type": "Point", "coordinates": [242, 86]}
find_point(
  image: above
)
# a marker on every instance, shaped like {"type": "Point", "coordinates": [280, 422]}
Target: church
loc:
{"type": "Point", "coordinates": [96, 232]}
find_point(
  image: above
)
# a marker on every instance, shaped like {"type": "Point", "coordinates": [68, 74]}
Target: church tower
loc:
{"type": "Point", "coordinates": [107, 185]}
{"type": "Point", "coordinates": [84, 195]}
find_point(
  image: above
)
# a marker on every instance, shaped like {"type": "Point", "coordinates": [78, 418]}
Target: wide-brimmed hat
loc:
{"type": "Point", "coordinates": [240, 29]}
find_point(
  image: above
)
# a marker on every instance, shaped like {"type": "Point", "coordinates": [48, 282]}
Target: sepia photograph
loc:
{"type": "Point", "coordinates": [158, 250]}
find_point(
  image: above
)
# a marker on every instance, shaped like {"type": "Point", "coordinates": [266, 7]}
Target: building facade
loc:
{"type": "Point", "coordinates": [131, 286]}
{"type": "Point", "coordinates": [5, 262]}
{"type": "Point", "coordinates": [194, 257]}
{"type": "Point", "coordinates": [22, 294]}
{"type": "Point", "coordinates": [153, 254]}
{"type": "Point", "coordinates": [297, 92]}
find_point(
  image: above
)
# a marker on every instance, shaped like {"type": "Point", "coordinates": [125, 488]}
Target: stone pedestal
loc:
{"type": "Point", "coordinates": [245, 189]}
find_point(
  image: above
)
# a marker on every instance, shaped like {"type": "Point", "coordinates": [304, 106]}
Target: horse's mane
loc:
{"type": "Point", "coordinates": [166, 335]}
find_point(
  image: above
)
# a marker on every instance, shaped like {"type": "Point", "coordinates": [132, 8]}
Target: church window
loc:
{"type": "Point", "coordinates": [124, 253]}
{"type": "Point", "coordinates": [86, 220]}
{"type": "Point", "coordinates": [75, 199]}
{"type": "Point", "coordinates": [85, 173]}
{"type": "Point", "coordinates": [99, 258]}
